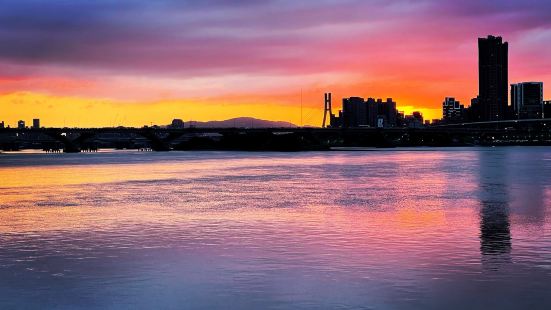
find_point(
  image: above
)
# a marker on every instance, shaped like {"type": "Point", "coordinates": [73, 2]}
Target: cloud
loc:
{"type": "Point", "coordinates": [132, 50]}
{"type": "Point", "coordinates": [173, 37]}
{"type": "Point", "coordinates": [212, 37]}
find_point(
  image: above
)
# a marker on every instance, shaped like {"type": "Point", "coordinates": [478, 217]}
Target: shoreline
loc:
{"type": "Point", "coordinates": [329, 149]}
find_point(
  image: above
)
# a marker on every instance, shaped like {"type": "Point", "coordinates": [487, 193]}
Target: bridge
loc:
{"type": "Point", "coordinates": [518, 123]}
{"type": "Point", "coordinates": [514, 132]}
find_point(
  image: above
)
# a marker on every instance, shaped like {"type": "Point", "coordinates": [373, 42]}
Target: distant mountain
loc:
{"type": "Point", "coordinates": [240, 122]}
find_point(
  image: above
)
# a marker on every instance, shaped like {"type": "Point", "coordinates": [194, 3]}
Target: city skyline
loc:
{"type": "Point", "coordinates": [233, 62]}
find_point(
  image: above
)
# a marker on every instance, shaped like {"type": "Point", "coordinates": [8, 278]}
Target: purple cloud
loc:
{"type": "Point", "coordinates": [191, 38]}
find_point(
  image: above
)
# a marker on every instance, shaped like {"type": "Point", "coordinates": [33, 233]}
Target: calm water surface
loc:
{"type": "Point", "coordinates": [421, 229]}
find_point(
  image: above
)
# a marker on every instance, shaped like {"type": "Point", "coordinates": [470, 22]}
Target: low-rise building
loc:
{"type": "Point", "coordinates": [177, 124]}
{"type": "Point", "coordinates": [527, 100]}
{"type": "Point", "coordinates": [415, 120]}
{"type": "Point", "coordinates": [452, 110]}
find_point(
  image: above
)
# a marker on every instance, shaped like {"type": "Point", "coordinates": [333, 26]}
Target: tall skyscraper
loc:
{"type": "Point", "coordinates": [527, 100]}
{"type": "Point", "coordinates": [493, 78]}
{"type": "Point", "coordinates": [36, 123]}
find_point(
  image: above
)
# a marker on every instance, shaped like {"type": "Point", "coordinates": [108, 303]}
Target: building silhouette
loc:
{"type": "Point", "coordinates": [358, 112]}
{"type": "Point", "coordinates": [493, 78]}
{"type": "Point", "coordinates": [336, 120]}
{"type": "Point", "coordinates": [354, 111]}
{"type": "Point", "coordinates": [177, 124]}
{"type": "Point", "coordinates": [21, 124]}
{"type": "Point", "coordinates": [527, 100]}
{"type": "Point", "coordinates": [373, 111]}
{"type": "Point", "coordinates": [386, 113]}
{"type": "Point", "coordinates": [452, 110]}
{"type": "Point", "coordinates": [474, 113]}
{"type": "Point", "coordinates": [36, 123]}
{"type": "Point", "coordinates": [547, 109]}
{"type": "Point", "coordinates": [415, 120]}
{"type": "Point", "coordinates": [2, 125]}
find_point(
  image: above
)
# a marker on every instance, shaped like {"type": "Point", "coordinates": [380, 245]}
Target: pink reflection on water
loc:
{"type": "Point", "coordinates": [392, 226]}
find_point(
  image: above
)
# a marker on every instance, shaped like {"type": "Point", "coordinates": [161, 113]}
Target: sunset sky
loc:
{"type": "Point", "coordinates": [104, 63]}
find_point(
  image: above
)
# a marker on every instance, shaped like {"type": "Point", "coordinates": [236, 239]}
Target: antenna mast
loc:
{"type": "Point", "coordinates": [301, 124]}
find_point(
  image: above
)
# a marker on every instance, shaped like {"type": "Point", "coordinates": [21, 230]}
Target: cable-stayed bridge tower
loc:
{"type": "Point", "coordinates": [327, 110]}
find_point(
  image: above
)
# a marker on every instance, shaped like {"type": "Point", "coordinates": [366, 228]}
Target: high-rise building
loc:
{"type": "Point", "coordinates": [354, 111]}
{"type": "Point", "coordinates": [2, 126]}
{"type": "Point", "coordinates": [382, 113]}
{"type": "Point", "coordinates": [373, 111]}
{"type": "Point", "coordinates": [36, 123]}
{"type": "Point", "coordinates": [493, 78]}
{"type": "Point", "coordinates": [21, 124]}
{"type": "Point", "coordinates": [357, 112]}
{"type": "Point", "coordinates": [527, 100]}
{"type": "Point", "coordinates": [389, 112]}
{"type": "Point", "coordinates": [452, 110]}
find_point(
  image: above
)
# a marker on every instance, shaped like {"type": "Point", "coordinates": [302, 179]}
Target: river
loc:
{"type": "Point", "coordinates": [427, 228]}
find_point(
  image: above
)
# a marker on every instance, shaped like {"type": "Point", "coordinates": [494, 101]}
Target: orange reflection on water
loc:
{"type": "Point", "coordinates": [394, 225]}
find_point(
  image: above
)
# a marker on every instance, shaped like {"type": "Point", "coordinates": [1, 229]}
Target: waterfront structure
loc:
{"type": "Point", "coordinates": [493, 79]}
{"type": "Point", "coordinates": [21, 124]}
{"type": "Point", "coordinates": [527, 100]}
{"type": "Point", "coordinates": [36, 123]}
{"type": "Point", "coordinates": [177, 124]}
{"type": "Point", "coordinates": [452, 110]}
{"type": "Point", "coordinates": [412, 133]}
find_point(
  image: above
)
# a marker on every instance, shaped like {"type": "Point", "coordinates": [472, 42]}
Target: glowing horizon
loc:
{"type": "Point", "coordinates": [100, 63]}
